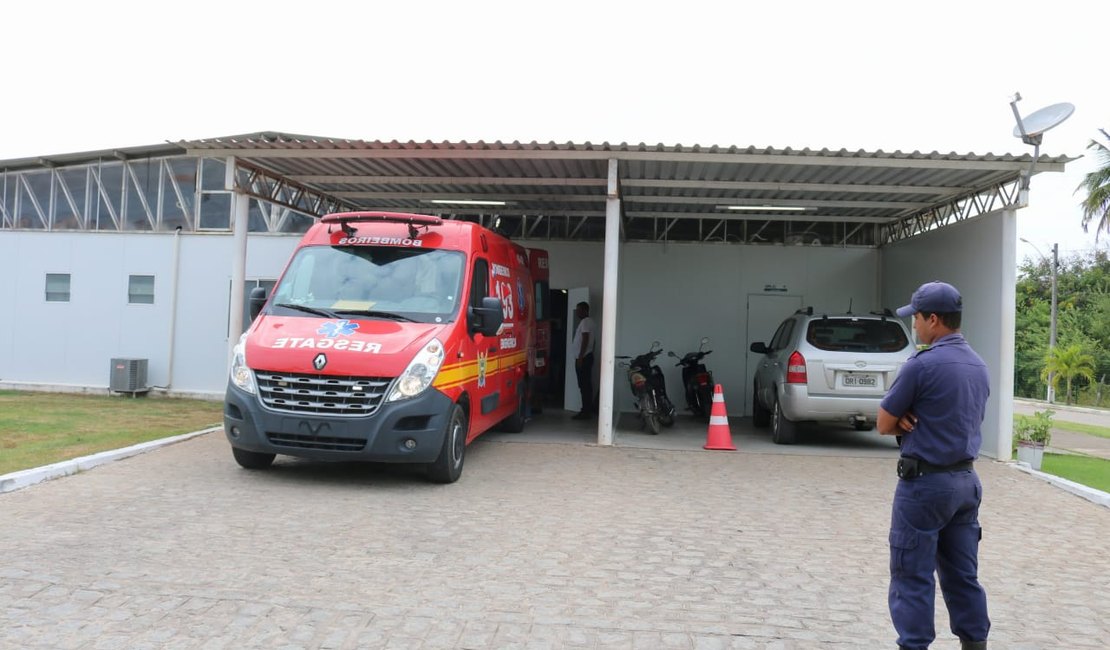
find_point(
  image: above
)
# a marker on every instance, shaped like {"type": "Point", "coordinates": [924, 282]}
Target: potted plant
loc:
{"type": "Point", "coordinates": [1032, 434]}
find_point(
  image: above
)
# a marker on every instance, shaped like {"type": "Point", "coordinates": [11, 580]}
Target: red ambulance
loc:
{"type": "Point", "coordinates": [389, 338]}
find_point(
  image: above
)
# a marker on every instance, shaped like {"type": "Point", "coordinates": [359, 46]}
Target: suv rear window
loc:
{"type": "Point", "coordinates": [856, 335]}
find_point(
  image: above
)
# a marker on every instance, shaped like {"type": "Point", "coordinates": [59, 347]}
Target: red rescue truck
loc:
{"type": "Point", "coordinates": [389, 338]}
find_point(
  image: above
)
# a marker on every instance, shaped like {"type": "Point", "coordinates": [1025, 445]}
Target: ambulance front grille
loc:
{"type": "Point", "coordinates": [315, 442]}
{"type": "Point", "coordinates": [321, 394]}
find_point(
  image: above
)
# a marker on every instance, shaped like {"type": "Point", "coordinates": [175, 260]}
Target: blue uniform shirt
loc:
{"type": "Point", "coordinates": [946, 386]}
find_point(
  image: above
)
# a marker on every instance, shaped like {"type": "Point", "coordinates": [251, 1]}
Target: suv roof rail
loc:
{"type": "Point", "coordinates": [886, 313]}
{"type": "Point", "coordinates": [808, 311]}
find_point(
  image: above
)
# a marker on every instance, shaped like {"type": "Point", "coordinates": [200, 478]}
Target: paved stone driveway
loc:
{"type": "Point", "coordinates": [538, 546]}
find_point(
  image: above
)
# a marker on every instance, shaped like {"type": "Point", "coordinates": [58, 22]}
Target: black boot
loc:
{"type": "Point", "coordinates": [973, 645]}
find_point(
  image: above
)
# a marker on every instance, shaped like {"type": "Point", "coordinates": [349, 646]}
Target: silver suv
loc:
{"type": "Point", "coordinates": [827, 368]}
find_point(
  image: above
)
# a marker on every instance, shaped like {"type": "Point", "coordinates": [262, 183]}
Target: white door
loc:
{"type": "Point", "coordinates": [765, 313]}
{"type": "Point", "coordinates": [572, 397]}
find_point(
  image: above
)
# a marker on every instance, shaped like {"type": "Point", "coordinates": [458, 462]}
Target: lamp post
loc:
{"type": "Point", "coordinates": [1050, 394]}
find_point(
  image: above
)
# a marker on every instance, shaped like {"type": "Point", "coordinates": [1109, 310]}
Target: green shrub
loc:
{"type": "Point", "coordinates": [1036, 428]}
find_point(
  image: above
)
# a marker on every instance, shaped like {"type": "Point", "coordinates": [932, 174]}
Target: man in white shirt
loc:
{"type": "Point", "coordinates": [583, 350]}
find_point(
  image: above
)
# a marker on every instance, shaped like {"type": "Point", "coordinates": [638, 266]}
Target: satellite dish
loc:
{"type": "Point", "coordinates": [1031, 131]}
{"type": "Point", "coordinates": [1044, 119]}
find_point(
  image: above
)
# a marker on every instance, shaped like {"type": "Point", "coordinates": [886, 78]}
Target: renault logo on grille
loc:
{"type": "Point", "coordinates": [314, 429]}
{"type": "Point", "coordinates": [320, 361]}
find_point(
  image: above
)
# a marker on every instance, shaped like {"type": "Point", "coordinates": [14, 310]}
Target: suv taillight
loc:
{"type": "Point", "coordinates": [796, 369]}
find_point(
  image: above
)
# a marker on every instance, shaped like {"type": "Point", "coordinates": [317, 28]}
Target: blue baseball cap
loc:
{"type": "Point", "coordinates": [934, 297]}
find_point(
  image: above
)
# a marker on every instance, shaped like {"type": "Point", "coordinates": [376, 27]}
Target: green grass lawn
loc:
{"type": "Point", "coordinates": [41, 428]}
{"type": "Point", "coordinates": [1086, 470]}
{"type": "Point", "coordinates": [1090, 429]}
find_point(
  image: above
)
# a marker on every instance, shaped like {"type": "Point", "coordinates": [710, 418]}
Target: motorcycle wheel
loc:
{"type": "Point", "coordinates": [666, 412]}
{"type": "Point", "coordinates": [648, 415]}
{"type": "Point", "coordinates": [705, 402]}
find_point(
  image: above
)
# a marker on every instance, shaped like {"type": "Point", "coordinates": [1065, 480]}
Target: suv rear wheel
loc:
{"type": "Point", "coordinates": [783, 431]}
{"type": "Point", "coordinates": [761, 417]}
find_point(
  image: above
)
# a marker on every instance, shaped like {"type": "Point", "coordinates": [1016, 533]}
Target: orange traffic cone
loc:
{"type": "Point", "coordinates": [719, 437]}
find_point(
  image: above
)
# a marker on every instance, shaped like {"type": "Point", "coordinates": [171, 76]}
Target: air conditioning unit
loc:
{"type": "Point", "coordinates": [128, 376]}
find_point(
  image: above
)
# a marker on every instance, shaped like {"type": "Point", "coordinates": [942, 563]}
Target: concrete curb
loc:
{"type": "Point", "coordinates": [1088, 493]}
{"type": "Point", "coordinates": [28, 477]}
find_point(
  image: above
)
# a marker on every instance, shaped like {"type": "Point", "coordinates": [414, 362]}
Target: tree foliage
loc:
{"type": "Point", "coordinates": [1083, 320]}
{"type": "Point", "coordinates": [1069, 363]}
{"type": "Point", "coordinates": [1096, 203]}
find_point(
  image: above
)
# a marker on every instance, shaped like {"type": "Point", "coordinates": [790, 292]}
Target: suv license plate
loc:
{"type": "Point", "coordinates": [860, 380]}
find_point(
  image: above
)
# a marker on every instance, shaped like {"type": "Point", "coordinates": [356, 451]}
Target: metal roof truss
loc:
{"type": "Point", "coordinates": [996, 197]}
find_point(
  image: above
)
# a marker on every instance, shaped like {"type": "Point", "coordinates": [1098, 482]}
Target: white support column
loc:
{"type": "Point", "coordinates": [997, 439]}
{"type": "Point", "coordinates": [240, 213]}
{"type": "Point", "coordinates": [606, 416]}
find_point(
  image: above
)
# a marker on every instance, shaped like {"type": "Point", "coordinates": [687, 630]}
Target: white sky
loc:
{"type": "Point", "coordinates": [931, 76]}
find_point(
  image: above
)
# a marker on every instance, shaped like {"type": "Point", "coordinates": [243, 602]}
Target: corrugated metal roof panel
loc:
{"type": "Point", "coordinates": [567, 180]}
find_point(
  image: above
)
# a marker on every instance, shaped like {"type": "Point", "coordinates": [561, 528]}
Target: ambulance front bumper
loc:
{"type": "Point", "coordinates": [408, 431]}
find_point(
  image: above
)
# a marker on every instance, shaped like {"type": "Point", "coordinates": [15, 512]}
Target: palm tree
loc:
{"type": "Point", "coordinates": [1097, 185]}
{"type": "Point", "coordinates": [1068, 363]}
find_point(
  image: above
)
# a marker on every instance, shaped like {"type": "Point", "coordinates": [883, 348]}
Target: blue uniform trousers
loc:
{"type": "Point", "coordinates": [934, 526]}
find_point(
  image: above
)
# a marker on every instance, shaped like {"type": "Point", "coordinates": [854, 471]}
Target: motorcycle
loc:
{"type": "Point", "coordinates": [649, 387]}
{"type": "Point", "coordinates": [697, 380]}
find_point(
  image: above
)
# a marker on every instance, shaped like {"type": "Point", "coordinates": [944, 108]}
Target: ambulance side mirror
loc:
{"type": "Point", "coordinates": [486, 319]}
{"type": "Point", "coordinates": [256, 302]}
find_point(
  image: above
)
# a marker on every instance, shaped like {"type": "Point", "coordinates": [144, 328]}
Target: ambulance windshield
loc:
{"type": "Point", "coordinates": [417, 284]}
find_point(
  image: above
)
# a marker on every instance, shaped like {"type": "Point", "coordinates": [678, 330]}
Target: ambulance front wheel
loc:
{"type": "Point", "coordinates": [448, 466]}
{"type": "Point", "coordinates": [252, 459]}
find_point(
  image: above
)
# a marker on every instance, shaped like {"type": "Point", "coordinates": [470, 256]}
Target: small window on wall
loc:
{"type": "Point", "coordinates": [140, 290]}
{"type": "Point", "coordinates": [215, 200]}
{"type": "Point", "coordinates": [215, 211]}
{"type": "Point", "coordinates": [57, 287]}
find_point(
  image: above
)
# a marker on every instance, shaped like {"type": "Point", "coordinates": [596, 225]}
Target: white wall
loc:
{"type": "Point", "coordinates": [204, 300]}
{"type": "Point", "coordinates": [72, 343]}
{"type": "Point", "coordinates": [675, 293]}
{"type": "Point", "coordinates": [977, 257]}
{"type": "Point", "coordinates": [575, 264]}
{"type": "Point", "coordinates": [678, 293]}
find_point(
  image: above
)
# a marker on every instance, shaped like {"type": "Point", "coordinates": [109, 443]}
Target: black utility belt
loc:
{"type": "Point", "coordinates": [911, 468]}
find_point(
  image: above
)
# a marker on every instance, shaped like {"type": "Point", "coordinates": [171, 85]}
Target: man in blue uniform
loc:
{"type": "Point", "coordinates": [937, 406]}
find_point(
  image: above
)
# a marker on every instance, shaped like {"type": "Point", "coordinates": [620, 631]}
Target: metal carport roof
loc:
{"type": "Point", "coordinates": [676, 193]}
{"type": "Point", "coordinates": [673, 193]}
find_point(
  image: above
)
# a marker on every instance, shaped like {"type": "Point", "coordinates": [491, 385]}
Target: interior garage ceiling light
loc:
{"type": "Point", "coordinates": [763, 208]}
{"type": "Point", "coordinates": [465, 202]}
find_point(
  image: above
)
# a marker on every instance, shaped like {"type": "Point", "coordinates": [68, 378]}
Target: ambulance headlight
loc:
{"type": "Point", "coordinates": [241, 374]}
{"type": "Point", "coordinates": [421, 372]}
